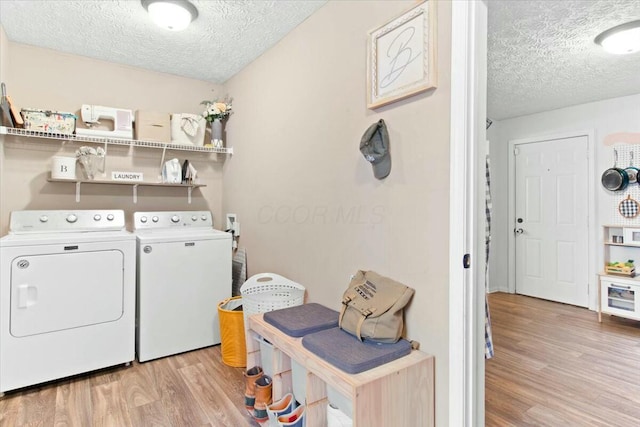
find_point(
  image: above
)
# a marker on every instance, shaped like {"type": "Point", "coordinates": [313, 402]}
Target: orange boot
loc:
{"type": "Point", "coordinates": [251, 376]}
{"type": "Point", "coordinates": [263, 398]}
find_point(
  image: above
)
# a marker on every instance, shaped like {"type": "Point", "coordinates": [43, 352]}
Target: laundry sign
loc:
{"type": "Point", "coordinates": [126, 176]}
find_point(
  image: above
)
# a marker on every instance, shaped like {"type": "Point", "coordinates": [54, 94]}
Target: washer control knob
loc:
{"type": "Point", "coordinates": [71, 218]}
{"type": "Point", "coordinates": [175, 219]}
{"type": "Point", "coordinates": [203, 217]}
{"type": "Point", "coordinates": [97, 217]}
{"type": "Point", "coordinates": [194, 218]}
{"type": "Point", "coordinates": [44, 218]}
{"type": "Point", "coordinates": [155, 219]}
{"type": "Point", "coordinates": [143, 219]}
{"type": "Point", "coordinates": [110, 217]}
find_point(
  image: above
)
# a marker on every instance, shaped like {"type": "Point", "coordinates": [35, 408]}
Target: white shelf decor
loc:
{"type": "Point", "coordinates": [113, 141]}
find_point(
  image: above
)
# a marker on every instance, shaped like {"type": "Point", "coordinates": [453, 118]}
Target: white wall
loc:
{"type": "Point", "coordinates": [603, 118]}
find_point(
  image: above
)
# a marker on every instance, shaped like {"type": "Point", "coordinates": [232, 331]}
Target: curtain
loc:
{"type": "Point", "coordinates": [488, 337]}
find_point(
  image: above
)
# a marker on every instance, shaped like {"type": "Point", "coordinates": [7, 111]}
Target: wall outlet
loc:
{"type": "Point", "coordinates": [231, 219]}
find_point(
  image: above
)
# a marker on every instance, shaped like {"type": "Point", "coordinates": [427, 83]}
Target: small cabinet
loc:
{"type": "Point", "coordinates": [620, 297]}
{"type": "Point", "coordinates": [619, 288]}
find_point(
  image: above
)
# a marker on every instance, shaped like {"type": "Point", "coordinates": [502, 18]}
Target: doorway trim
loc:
{"type": "Point", "coordinates": [591, 214]}
{"type": "Point", "coordinates": [466, 291]}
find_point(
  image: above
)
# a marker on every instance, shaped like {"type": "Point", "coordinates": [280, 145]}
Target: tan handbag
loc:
{"type": "Point", "coordinates": [372, 307]}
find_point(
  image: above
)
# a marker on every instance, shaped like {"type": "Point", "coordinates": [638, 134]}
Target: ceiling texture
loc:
{"type": "Point", "coordinates": [226, 36]}
{"type": "Point", "coordinates": [541, 54]}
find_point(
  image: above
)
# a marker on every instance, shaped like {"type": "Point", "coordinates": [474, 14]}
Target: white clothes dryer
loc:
{"type": "Point", "coordinates": [184, 271]}
{"type": "Point", "coordinates": [67, 295]}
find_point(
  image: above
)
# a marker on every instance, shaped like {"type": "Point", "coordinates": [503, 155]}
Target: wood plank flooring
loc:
{"type": "Point", "coordinates": [190, 389]}
{"type": "Point", "coordinates": [555, 365]}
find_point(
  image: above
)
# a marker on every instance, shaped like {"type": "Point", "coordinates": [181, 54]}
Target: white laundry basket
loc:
{"type": "Point", "coordinates": [267, 292]}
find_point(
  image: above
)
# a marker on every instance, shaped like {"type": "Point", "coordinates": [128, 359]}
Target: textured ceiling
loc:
{"type": "Point", "coordinates": [541, 55]}
{"type": "Point", "coordinates": [226, 36]}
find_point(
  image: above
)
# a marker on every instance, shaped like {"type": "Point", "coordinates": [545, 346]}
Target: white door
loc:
{"type": "Point", "coordinates": [551, 223]}
{"type": "Point", "coordinates": [53, 292]}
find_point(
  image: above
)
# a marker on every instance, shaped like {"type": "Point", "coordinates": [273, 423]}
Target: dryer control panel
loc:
{"type": "Point", "coordinates": [169, 219]}
{"type": "Point", "coordinates": [60, 221]}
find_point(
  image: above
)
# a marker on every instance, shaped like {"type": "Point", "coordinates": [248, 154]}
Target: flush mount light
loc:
{"type": "Point", "coordinates": [622, 39]}
{"type": "Point", "coordinates": [174, 15]}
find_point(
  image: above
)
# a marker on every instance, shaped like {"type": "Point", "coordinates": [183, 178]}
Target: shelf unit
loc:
{"type": "Point", "coordinates": [122, 142]}
{"type": "Point", "coordinates": [399, 393]}
{"type": "Point", "coordinates": [134, 184]}
{"type": "Point", "coordinates": [619, 295]}
{"type": "Point", "coordinates": [112, 141]}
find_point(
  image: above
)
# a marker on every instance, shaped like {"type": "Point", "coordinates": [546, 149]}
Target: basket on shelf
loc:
{"type": "Point", "coordinates": [620, 271]}
{"type": "Point", "coordinates": [267, 292]}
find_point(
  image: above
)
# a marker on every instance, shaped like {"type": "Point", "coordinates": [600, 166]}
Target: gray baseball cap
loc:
{"type": "Point", "coordinates": [374, 146]}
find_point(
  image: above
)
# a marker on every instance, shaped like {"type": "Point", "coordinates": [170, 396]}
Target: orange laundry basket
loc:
{"type": "Point", "coordinates": [232, 343]}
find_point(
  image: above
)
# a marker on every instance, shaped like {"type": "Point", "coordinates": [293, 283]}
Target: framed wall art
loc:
{"type": "Point", "coordinates": [401, 56]}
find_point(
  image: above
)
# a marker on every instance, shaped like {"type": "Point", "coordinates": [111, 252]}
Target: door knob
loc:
{"type": "Point", "coordinates": [519, 230]}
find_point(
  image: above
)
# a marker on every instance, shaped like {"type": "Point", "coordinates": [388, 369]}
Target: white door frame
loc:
{"type": "Point", "coordinates": [466, 286]}
{"type": "Point", "coordinates": [590, 177]}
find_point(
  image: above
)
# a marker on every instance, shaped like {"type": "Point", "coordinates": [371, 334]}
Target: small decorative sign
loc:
{"type": "Point", "coordinates": [126, 176]}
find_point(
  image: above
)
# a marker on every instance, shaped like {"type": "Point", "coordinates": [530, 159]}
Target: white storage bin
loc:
{"type": "Point", "coordinates": [188, 129]}
{"type": "Point", "coordinates": [299, 383]}
{"type": "Point", "coordinates": [272, 360]}
{"type": "Point", "coordinates": [339, 401]}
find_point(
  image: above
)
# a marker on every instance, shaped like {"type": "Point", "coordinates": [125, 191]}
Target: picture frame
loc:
{"type": "Point", "coordinates": [401, 56]}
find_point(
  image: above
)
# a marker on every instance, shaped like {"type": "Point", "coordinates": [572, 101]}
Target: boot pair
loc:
{"type": "Point", "coordinates": [295, 418]}
{"type": "Point", "coordinates": [284, 406]}
{"type": "Point", "coordinates": [257, 393]}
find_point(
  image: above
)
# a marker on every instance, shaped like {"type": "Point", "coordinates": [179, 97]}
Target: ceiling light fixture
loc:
{"type": "Point", "coordinates": [621, 39]}
{"type": "Point", "coordinates": [174, 15]}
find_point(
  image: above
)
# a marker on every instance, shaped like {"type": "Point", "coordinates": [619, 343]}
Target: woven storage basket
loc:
{"type": "Point", "coordinates": [232, 340]}
{"type": "Point", "coordinates": [267, 292]}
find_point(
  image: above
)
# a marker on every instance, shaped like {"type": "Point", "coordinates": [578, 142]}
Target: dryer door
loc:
{"type": "Point", "coordinates": [53, 292]}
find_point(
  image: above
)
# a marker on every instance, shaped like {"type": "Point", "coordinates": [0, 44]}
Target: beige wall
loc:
{"type": "Point", "coordinates": [307, 200]}
{"type": "Point", "coordinates": [47, 79]}
{"type": "Point", "coordinates": [308, 203]}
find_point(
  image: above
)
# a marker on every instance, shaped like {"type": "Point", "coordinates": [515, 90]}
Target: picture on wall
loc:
{"type": "Point", "coordinates": [401, 56]}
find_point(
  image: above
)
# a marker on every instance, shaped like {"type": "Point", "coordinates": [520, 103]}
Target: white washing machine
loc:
{"type": "Point", "coordinates": [184, 271]}
{"type": "Point", "coordinates": [67, 295]}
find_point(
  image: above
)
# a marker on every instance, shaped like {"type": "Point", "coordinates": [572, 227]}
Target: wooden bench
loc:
{"type": "Point", "coordinates": [396, 394]}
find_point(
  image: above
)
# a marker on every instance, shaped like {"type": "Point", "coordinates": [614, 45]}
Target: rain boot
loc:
{"type": "Point", "coordinates": [281, 407]}
{"type": "Point", "coordinates": [263, 398]}
{"type": "Point", "coordinates": [293, 419]}
{"type": "Point", "coordinates": [251, 376]}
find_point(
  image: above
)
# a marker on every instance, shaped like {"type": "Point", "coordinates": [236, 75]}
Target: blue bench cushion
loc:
{"type": "Point", "coordinates": [346, 352]}
{"type": "Point", "coordinates": [304, 319]}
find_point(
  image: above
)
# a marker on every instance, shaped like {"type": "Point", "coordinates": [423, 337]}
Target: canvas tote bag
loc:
{"type": "Point", "coordinates": [373, 307]}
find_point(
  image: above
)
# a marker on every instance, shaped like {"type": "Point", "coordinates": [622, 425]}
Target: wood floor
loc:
{"type": "Point", "coordinates": [555, 365]}
{"type": "Point", "coordinates": [191, 389]}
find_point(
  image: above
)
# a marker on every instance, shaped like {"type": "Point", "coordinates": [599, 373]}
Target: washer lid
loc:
{"type": "Point", "coordinates": [180, 235]}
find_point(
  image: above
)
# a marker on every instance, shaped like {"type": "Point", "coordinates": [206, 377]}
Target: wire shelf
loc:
{"type": "Point", "coordinates": [112, 141]}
